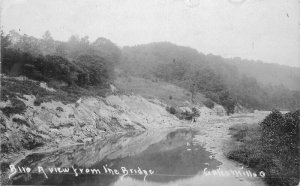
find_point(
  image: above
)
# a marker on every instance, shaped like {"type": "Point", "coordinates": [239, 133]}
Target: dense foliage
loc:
{"type": "Point", "coordinates": [61, 64]}
{"type": "Point", "coordinates": [273, 148]}
{"type": "Point", "coordinates": [268, 73]}
{"type": "Point", "coordinates": [202, 80]}
{"type": "Point", "coordinates": [70, 50]}
{"type": "Point", "coordinates": [97, 71]}
{"type": "Point", "coordinates": [280, 140]}
{"type": "Point", "coordinates": [218, 78]}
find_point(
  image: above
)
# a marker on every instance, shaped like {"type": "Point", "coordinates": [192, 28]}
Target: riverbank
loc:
{"type": "Point", "coordinates": [35, 116]}
{"type": "Point", "coordinates": [212, 134]}
{"type": "Point", "coordinates": [48, 126]}
{"type": "Point", "coordinates": [215, 136]}
{"type": "Point", "coordinates": [29, 125]}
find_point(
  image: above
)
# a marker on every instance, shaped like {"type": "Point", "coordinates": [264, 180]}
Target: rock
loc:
{"type": "Point", "coordinates": [44, 85]}
{"type": "Point", "coordinates": [113, 89]}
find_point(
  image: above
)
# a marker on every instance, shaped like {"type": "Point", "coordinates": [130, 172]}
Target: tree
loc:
{"type": "Point", "coordinates": [85, 41]}
{"type": "Point", "coordinates": [47, 36]}
{"type": "Point", "coordinates": [107, 49]}
{"type": "Point", "coordinates": [47, 44]}
{"type": "Point", "coordinates": [227, 101]}
{"type": "Point", "coordinates": [99, 71]}
{"type": "Point", "coordinates": [77, 47]}
{"type": "Point", "coordinates": [5, 41]}
{"type": "Point", "coordinates": [61, 49]}
{"type": "Point", "coordinates": [15, 36]}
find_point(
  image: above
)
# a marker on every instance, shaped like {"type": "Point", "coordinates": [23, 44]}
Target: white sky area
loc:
{"type": "Point", "coordinates": [267, 30]}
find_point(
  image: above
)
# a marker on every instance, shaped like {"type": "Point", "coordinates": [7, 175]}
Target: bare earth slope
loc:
{"type": "Point", "coordinates": [56, 124]}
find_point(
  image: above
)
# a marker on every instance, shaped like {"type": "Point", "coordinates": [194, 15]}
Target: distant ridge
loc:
{"type": "Point", "coordinates": [264, 73]}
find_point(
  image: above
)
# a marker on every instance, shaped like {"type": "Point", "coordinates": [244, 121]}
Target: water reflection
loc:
{"type": "Point", "coordinates": [172, 155]}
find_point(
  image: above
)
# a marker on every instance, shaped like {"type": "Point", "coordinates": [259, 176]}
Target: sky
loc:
{"type": "Point", "coordinates": [267, 30]}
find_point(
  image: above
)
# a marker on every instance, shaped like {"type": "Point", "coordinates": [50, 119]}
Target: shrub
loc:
{"type": "Point", "coordinates": [195, 112]}
{"type": "Point", "coordinates": [171, 110]}
{"type": "Point", "coordinates": [273, 147]}
{"type": "Point", "coordinates": [17, 107]}
{"type": "Point", "coordinates": [227, 101]}
{"type": "Point", "coordinates": [31, 141]}
{"type": "Point", "coordinates": [2, 125]}
{"type": "Point", "coordinates": [59, 109]}
{"type": "Point", "coordinates": [20, 121]}
{"type": "Point", "coordinates": [37, 102]}
{"type": "Point", "coordinates": [13, 88]}
{"type": "Point", "coordinates": [209, 103]}
{"type": "Point", "coordinates": [187, 115]}
{"type": "Point", "coordinates": [280, 132]}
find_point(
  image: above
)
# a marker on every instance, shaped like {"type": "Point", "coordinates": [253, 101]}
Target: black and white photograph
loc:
{"type": "Point", "coordinates": [150, 92]}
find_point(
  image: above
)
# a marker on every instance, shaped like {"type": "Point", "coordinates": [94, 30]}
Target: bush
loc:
{"type": "Point", "coordinates": [12, 88]}
{"type": "Point", "coordinates": [273, 147]}
{"type": "Point", "coordinates": [59, 109]}
{"type": "Point", "coordinates": [37, 102]}
{"type": "Point", "coordinates": [195, 112]}
{"type": "Point", "coordinates": [227, 101]}
{"type": "Point", "coordinates": [31, 141]}
{"type": "Point", "coordinates": [187, 115]}
{"type": "Point", "coordinates": [171, 110]}
{"type": "Point", "coordinates": [20, 121]}
{"type": "Point", "coordinates": [282, 131]}
{"type": "Point", "coordinates": [209, 103]}
{"type": "Point", "coordinates": [17, 107]}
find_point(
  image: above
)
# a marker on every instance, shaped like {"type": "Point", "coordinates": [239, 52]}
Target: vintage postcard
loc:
{"type": "Point", "coordinates": [150, 92]}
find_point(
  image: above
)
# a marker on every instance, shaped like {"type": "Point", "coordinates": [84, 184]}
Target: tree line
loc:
{"type": "Point", "coordinates": [79, 62]}
{"type": "Point", "coordinates": [76, 62]}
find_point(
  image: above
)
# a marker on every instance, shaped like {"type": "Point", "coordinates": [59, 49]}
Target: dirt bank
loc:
{"type": "Point", "coordinates": [54, 124]}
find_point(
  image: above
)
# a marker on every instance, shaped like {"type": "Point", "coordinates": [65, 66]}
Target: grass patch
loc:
{"type": "Point", "coordinates": [165, 92]}
{"type": "Point", "coordinates": [272, 147]}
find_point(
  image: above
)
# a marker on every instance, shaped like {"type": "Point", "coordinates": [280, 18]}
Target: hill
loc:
{"type": "Point", "coordinates": [80, 64]}
{"type": "Point", "coordinates": [268, 73]}
{"type": "Point", "coordinates": [225, 81]}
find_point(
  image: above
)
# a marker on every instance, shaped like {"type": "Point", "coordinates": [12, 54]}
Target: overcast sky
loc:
{"type": "Point", "coordinates": [267, 30]}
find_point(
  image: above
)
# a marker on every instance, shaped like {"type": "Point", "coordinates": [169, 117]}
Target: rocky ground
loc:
{"type": "Point", "coordinates": [214, 135]}
{"type": "Point", "coordinates": [54, 124]}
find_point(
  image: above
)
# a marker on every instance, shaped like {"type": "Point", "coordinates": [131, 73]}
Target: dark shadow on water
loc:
{"type": "Point", "coordinates": [174, 157]}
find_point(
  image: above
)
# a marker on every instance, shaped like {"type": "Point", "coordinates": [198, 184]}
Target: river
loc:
{"type": "Point", "coordinates": [167, 157]}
